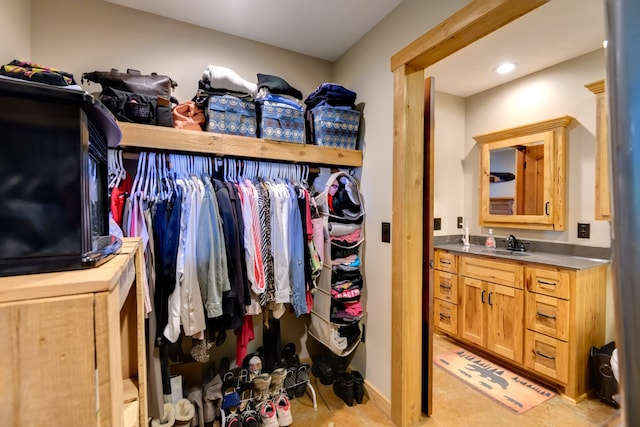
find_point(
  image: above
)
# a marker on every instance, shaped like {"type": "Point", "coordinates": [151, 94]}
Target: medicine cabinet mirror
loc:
{"type": "Point", "coordinates": [522, 176]}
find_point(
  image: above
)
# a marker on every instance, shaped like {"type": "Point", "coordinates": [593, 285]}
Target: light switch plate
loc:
{"type": "Point", "coordinates": [386, 232]}
{"type": "Point", "coordinates": [584, 230]}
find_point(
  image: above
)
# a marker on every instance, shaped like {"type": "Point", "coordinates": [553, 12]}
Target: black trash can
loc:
{"type": "Point", "coordinates": [604, 382]}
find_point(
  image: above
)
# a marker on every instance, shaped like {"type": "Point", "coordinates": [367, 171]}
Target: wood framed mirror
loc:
{"type": "Point", "coordinates": [522, 176]}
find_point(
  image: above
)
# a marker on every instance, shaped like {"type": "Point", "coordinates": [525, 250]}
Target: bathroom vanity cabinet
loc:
{"type": "Point", "coordinates": [541, 314]}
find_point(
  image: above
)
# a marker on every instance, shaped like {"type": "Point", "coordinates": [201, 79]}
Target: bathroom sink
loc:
{"type": "Point", "coordinates": [504, 252]}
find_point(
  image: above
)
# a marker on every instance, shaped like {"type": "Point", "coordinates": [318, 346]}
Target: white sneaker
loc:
{"type": "Point", "coordinates": [268, 414]}
{"type": "Point", "coordinates": [283, 409]}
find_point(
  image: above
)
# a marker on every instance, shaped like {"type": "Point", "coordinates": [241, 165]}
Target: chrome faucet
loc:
{"type": "Point", "coordinates": [514, 244]}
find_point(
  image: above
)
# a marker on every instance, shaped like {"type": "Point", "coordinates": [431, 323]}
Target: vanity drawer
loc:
{"type": "Point", "coordinates": [445, 286]}
{"type": "Point", "coordinates": [547, 356]}
{"type": "Point", "coordinates": [547, 315]}
{"type": "Point", "coordinates": [445, 261]}
{"type": "Point", "coordinates": [445, 316]}
{"type": "Point", "coordinates": [548, 281]}
{"type": "Point", "coordinates": [503, 273]}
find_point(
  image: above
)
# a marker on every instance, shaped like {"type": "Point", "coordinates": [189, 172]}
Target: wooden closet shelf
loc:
{"type": "Point", "coordinates": [164, 138]}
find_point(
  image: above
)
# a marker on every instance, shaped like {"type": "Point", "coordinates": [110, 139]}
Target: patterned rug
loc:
{"type": "Point", "coordinates": [503, 386]}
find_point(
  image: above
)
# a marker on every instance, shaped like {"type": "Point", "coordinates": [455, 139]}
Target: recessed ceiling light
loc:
{"type": "Point", "coordinates": [505, 68]}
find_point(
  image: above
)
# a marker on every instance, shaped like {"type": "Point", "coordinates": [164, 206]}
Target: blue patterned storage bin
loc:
{"type": "Point", "coordinates": [335, 127]}
{"type": "Point", "coordinates": [281, 122]}
{"type": "Point", "coordinates": [231, 115]}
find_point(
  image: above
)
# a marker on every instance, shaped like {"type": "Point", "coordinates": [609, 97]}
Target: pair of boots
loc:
{"type": "Point", "coordinates": [349, 386]}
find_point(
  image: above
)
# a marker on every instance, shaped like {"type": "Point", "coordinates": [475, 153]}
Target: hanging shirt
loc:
{"type": "Point", "coordinates": [211, 257]}
{"type": "Point", "coordinates": [191, 308]}
{"type": "Point", "coordinates": [296, 255]}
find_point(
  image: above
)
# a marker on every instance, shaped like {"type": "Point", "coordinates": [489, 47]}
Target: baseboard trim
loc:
{"type": "Point", "coordinates": [378, 399]}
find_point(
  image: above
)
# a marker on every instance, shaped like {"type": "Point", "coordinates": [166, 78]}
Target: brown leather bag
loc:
{"type": "Point", "coordinates": [133, 81]}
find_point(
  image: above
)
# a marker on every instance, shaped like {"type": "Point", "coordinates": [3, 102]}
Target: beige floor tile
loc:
{"type": "Point", "coordinates": [454, 403]}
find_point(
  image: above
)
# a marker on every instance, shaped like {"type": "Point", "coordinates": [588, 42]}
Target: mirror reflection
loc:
{"type": "Point", "coordinates": [517, 180]}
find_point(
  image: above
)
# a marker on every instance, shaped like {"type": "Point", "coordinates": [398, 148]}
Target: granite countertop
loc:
{"type": "Point", "coordinates": [547, 258]}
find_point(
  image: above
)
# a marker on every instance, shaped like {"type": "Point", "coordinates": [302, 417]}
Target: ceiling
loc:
{"type": "Point", "coordinates": [553, 33]}
{"type": "Point", "coordinates": [323, 29]}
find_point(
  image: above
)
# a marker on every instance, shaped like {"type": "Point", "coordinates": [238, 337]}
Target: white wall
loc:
{"type": "Point", "coordinates": [15, 30]}
{"type": "Point", "coordinates": [365, 68]}
{"type": "Point", "coordinates": [87, 35]}
{"type": "Point", "coordinates": [448, 172]}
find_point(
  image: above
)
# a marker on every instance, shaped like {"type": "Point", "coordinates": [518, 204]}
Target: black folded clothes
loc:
{"type": "Point", "coordinates": [277, 85]}
{"type": "Point", "coordinates": [344, 252]}
{"type": "Point", "coordinates": [338, 274]}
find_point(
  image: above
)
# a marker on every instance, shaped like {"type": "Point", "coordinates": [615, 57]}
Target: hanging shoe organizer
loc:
{"type": "Point", "coordinates": [337, 311]}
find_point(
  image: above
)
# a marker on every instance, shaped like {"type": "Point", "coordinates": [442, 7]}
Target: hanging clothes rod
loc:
{"type": "Point", "coordinates": [134, 155]}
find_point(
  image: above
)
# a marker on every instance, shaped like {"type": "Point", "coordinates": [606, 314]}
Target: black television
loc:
{"type": "Point", "coordinates": [54, 201]}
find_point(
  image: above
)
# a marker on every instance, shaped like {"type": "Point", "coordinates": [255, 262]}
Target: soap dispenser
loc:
{"type": "Point", "coordinates": [490, 241]}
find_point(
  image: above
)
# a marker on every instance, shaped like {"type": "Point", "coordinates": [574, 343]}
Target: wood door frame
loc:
{"type": "Point", "coordinates": [472, 22]}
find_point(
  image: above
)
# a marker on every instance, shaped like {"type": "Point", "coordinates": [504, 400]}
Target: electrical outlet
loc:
{"type": "Point", "coordinates": [459, 222]}
{"type": "Point", "coordinates": [437, 223]}
{"type": "Point", "coordinates": [584, 230]}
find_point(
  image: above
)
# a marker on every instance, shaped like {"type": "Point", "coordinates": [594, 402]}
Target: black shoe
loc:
{"type": "Point", "coordinates": [288, 352]}
{"type": "Point", "coordinates": [358, 386]}
{"type": "Point", "coordinates": [322, 369]}
{"type": "Point", "coordinates": [343, 388]}
{"type": "Point", "coordinates": [302, 379]}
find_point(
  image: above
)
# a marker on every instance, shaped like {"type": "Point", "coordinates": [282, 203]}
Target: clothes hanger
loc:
{"type": "Point", "coordinates": [139, 169]}
{"type": "Point", "coordinates": [148, 187]}
{"type": "Point", "coordinates": [122, 172]}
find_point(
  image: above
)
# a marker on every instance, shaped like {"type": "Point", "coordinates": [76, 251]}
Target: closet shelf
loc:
{"type": "Point", "coordinates": [164, 138]}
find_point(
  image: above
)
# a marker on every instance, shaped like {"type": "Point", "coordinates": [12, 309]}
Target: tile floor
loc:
{"type": "Point", "coordinates": [454, 403]}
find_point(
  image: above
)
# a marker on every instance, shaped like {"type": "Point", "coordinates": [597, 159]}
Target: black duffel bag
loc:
{"type": "Point", "coordinates": [139, 108]}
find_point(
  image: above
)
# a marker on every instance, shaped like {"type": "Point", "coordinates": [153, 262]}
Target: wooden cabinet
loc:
{"type": "Point", "coordinates": [565, 317]}
{"type": "Point", "coordinates": [534, 158]}
{"type": "Point", "coordinates": [538, 318]}
{"type": "Point", "coordinates": [445, 288]}
{"type": "Point", "coordinates": [73, 347]}
{"type": "Point", "coordinates": [491, 313]}
{"type": "Point", "coordinates": [603, 192]}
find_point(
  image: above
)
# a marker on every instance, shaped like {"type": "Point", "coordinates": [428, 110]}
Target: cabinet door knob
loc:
{"type": "Point", "coordinates": [490, 293]}
{"type": "Point", "coordinates": [482, 296]}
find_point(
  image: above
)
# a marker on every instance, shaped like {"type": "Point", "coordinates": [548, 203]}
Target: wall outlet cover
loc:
{"type": "Point", "coordinates": [437, 223]}
{"type": "Point", "coordinates": [584, 230]}
{"type": "Point", "coordinates": [459, 222]}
